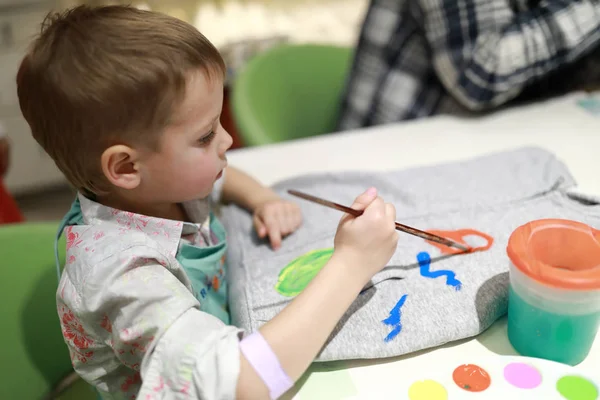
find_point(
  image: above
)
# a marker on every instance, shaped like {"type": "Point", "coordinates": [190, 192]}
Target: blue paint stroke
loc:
{"type": "Point", "coordinates": [394, 319]}
{"type": "Point", "coordinates": [424, 262]}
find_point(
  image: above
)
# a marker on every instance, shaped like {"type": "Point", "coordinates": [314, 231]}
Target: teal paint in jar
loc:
{"type": "Point", "coordinates": [554, 294]}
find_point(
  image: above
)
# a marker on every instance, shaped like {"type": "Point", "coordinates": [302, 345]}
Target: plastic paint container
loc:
{"type": "Point", "coordinates": [554, 295]}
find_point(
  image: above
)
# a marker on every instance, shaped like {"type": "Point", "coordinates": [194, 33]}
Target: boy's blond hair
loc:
{"type": "Point", "coordinates": [100, 76]}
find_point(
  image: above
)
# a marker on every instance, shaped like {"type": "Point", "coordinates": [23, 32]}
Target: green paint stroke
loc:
{"type": "Point", "coordinates": [576, 388]}
{"type": "Point", "coordinates": [298, 274]}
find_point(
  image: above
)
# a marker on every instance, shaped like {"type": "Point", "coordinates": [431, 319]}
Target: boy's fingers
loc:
{"type": "Point", "coordinates": [390, 210]}
{"type": "Point", "coordinates": [259, 226]}
{"type": "Point", "coordinates": [287, 223]}
{"type": "Point", "coordinates": [275, 237]}
{"type": "Point", "coordinates": [365, 199]}
{"type": "Point", "coordinates": [273, 230]}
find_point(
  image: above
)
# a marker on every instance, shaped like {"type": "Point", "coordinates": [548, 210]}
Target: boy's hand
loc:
{"type": "Point", "coordinates": [367, 243]}
{"type": "Point", "coordinates": [273, 216]}
{"type": "Point", "coordinates": [276, 218]}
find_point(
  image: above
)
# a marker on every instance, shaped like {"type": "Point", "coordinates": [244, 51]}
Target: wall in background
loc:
{"type": "Point", "coordinates": [30, 168]}
{"type": "Point", "coordinates": [239, 28]}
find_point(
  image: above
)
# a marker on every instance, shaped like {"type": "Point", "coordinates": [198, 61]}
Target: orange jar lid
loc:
{"type": "Point", "coordinates": [560, 253]}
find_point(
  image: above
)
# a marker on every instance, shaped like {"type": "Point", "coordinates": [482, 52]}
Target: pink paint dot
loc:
{"type": "Point", "coordinates": [522, 376]}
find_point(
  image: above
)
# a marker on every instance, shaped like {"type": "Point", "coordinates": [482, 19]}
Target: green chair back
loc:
{"type": "Point", "coordinates": [290, 92]}
{"type": "Point", "coordinates": [34, 356]}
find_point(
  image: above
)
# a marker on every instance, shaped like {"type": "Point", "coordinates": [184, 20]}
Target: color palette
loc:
{"type": "Point", "coordinates": [514, 378]}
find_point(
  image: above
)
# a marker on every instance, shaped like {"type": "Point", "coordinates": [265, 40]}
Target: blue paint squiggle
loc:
{"type": "Point", "coordinates": [394, 319]}
{"type": "Point", "coordinates": [424, 262]}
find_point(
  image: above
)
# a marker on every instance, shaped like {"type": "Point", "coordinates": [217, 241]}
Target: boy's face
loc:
{"type": "Point", "coordinates": [192, 152]}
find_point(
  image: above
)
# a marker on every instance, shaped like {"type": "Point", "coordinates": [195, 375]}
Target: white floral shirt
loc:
{"type": "Point", "coordinates": [128, 315]}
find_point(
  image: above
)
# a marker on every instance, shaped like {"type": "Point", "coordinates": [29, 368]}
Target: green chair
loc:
{"type": "Point", "coordinates": [290, 92]}
{"type": "Point", "coordinates": [34, 355]}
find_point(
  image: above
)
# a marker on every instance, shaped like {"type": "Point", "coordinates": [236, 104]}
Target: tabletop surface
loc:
{"type": "Point", "coordinates": [569, 127]}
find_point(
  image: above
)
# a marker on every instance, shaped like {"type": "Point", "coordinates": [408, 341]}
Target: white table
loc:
{"type": "Point", "coordinates": [561, 126]}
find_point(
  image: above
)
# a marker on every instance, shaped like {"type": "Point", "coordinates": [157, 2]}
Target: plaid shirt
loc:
{"type": "Point", "coordinates": [416, 58]}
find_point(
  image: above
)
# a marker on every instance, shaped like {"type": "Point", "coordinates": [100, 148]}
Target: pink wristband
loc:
{"type": "Point", "coordinates": [259, 354]}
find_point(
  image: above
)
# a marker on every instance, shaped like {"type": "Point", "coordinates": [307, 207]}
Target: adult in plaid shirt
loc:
{"type": "Point", "coordinates": [417, 58]}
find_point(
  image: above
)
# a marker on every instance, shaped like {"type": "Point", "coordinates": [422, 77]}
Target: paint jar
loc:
{"type": "Point", "coordinates": [554, 294]}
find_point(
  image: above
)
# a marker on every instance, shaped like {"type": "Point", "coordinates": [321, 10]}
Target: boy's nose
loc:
{"type": "Point", "coordinates": [226, 142]}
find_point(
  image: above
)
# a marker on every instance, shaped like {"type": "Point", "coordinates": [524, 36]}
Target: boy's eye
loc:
{"type": "Point", "coordinates": [208, 138]}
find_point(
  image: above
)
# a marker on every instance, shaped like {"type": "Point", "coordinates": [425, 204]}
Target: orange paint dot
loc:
{"type": "Point", "coordinates": [215, 283]}
{"type": "Point", "coordinates": [459, 237]}
{"type": "Point", "coordinates": [471, 378]}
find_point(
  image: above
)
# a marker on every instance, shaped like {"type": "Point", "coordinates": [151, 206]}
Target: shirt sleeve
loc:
{"type": "Point", "coordinates": [196, 356]}
{"type": "Point", "coordinates": [484, 63]}
{"type": "Point", "coordinates": [154, 326]}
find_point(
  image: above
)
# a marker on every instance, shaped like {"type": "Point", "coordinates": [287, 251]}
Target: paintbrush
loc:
{"type": "Point", "coordinates": [403, 228]}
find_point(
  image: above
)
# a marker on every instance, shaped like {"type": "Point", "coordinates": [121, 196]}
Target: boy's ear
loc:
{"type": "Point", "coordinates": [120, 165]}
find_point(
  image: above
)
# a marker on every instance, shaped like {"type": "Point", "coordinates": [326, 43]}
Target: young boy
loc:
{"type": "Point", "coordinates": [127, 103]}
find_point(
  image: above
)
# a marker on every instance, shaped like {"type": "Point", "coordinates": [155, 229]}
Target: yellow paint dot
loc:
{"type": "Point", "coordinates": [427, 390]}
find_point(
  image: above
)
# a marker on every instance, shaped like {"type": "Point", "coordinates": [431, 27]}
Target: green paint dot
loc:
{"type": "Point", "coordinates": [330, 385]}
{"type": "Point", "coordinates": [298, 274]}
{"type": "Point", "coordinates": [576, 388]}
